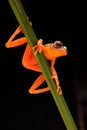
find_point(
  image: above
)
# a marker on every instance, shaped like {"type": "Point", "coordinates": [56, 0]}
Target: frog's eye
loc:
{"type": "Point", "coordinates": [57, 44]}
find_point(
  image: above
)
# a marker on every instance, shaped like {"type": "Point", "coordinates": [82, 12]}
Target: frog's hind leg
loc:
{"type": "Point", "coordinates": [36, 84]}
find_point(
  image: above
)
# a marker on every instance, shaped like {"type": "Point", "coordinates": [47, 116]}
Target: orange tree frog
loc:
{"type": "Point", "coordinates": [51, 52]}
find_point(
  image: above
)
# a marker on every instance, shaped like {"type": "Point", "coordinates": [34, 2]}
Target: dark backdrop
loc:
{"type": "Point", "coordinates": [54, 20]}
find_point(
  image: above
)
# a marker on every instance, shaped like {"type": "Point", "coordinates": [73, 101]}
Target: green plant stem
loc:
{"type": "Point", "coordinates": [21, 16]}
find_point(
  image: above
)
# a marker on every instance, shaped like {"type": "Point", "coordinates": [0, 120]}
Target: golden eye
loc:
{"type": "Point", "coordinates": [57, 44]}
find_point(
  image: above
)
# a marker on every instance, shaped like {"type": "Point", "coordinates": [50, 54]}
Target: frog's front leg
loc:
{"type": "Point", "coordinates": [55, 77]}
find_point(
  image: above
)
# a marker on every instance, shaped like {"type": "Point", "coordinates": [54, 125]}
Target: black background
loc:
{"type": "Point", "coordinates": [54, 20]}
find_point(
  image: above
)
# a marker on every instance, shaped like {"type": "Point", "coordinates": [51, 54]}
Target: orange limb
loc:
{"type": "Point", "coordinates": [38, 46]}
{"type": "Point", "coordinates": [28, 60]}
{"type": "Point", "coordinates": [55, 77]}
{"type": "Point", "coordinates": [13, 43]}
{"type": "Point", "coordinates": [36, 84]}
{"type": "Point", "coordinates": [40, 80]}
